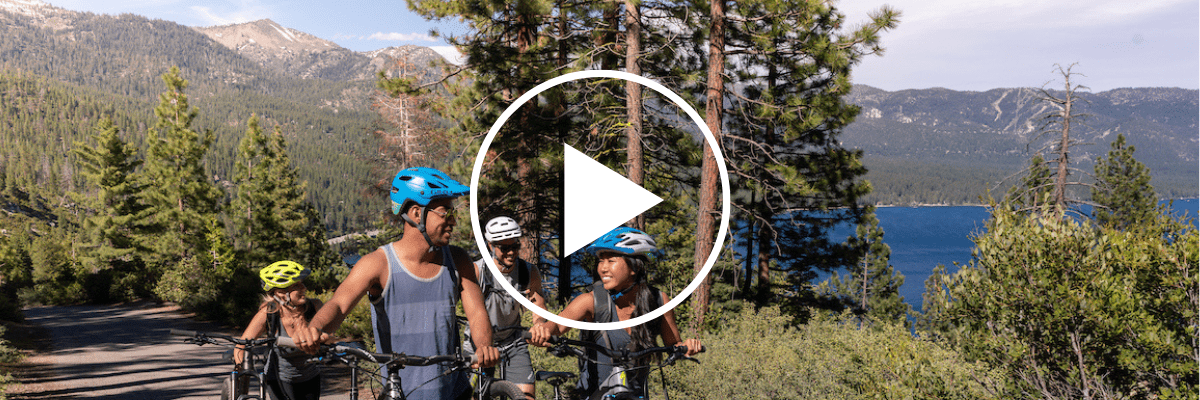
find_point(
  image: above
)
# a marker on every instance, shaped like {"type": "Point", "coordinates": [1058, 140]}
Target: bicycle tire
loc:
{"type": "Point", "coordinates": [505, 390]}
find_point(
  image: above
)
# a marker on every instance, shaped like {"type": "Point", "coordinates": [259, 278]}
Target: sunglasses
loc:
{"type": "Point", "coordinates": [504, 248]}
{"type": "Point", "coordinates": [445, 213]}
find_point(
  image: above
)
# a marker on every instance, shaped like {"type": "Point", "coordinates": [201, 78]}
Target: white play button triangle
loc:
{"type": "Point", "coordinates": [597, 199]}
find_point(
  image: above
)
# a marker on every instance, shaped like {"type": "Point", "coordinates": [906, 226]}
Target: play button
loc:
{"type": "Point", "coordinates": [594, 199]}
{"type": "Point", "coordinates": [597, 199]}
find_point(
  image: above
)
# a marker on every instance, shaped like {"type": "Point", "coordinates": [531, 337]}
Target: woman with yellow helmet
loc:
{"type": "Point", "coordinates": [285, 310]}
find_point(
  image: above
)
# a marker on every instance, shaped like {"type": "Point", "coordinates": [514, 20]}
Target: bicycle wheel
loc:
{"type": "Point", "coordinates": [505, 390]}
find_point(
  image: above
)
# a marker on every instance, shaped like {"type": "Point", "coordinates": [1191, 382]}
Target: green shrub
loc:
{"type": "Point", "coordinates": [1077, 311]}
{"type": "Point", "coordinates": [758, 355]}
{"type": "Point", "coordinates": [8, 356]}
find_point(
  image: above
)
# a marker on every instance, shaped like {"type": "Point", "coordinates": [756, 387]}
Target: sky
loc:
{"type": "Point", "coordinates": [953, 44]}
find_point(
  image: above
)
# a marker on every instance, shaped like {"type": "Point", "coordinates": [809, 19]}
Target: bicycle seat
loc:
{"type": "Point", "coordinates": [544, 375]}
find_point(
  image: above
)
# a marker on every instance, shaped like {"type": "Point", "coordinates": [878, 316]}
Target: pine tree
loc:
{"type": "Point", "coordinates": [110, 230]}
{"type": "Point", "coordinates": [1123, 195]}
{"type": "Point", "coordinates": [110, 167]}
{"type": "Point", "coordinates": [271, 212]}
{"type": "Point", "coordinates": [871, 286]}
{"type": "Point", "coordinates": [178, 191]}
{"type": "Point", "coordinates": [791, 61]}
{"type": "Point", "coordinates": [1036, 188]}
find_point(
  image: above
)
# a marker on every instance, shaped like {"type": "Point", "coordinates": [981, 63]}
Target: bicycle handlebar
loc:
{"type": "Point", "coordinates": [676, 351]}
{"type": "Point", "coordinates": [339, 350]}
{"type": "Point", "coordinates": [201, 338]}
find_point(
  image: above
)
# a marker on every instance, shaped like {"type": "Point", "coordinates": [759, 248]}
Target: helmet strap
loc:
{"type": "Point", "coordinates": [286, 302]}
{"type": "Point", "coordinates": [622, 292]}
{"type": "Point", "coordinates": [421, 226]}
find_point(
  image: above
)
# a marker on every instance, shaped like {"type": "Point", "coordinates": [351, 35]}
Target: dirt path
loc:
{"type": "Point", "coordinates": [125, 352]}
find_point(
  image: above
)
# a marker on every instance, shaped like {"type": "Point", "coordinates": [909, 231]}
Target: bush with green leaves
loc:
{"type": "Point", "coordinates": [760, 354]}
{"type": "Point", "coordinates": [8, 356]}
{"type": "Point", "coordinates": [1072, 310]}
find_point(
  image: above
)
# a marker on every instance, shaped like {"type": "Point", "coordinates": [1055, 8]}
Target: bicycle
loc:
{"type": "Point", "coordinates": [237, 385]}
{"type": "Point", "coordinates": [488, 386]}
{"type": "Point", "coordinates": [625, 359]}
{"type": "Point", "coordinates": [351, 354]}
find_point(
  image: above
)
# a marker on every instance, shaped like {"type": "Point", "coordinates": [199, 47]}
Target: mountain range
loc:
{"type": "Point", "coordinates": [982, 137]}
{"type": "Point", "coordinates": [922, 146]}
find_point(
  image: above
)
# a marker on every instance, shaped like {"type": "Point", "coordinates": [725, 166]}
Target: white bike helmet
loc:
{"type": "Point", "coordinates": [501, 228]}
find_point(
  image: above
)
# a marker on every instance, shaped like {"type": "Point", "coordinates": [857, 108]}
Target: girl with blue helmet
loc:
{"type": "Point", "coordinates": [622, 293]}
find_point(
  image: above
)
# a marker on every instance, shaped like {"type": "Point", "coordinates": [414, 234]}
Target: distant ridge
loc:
{"type": "Point", "coordinates": [956, 138]}
{"type": "Point", "coordinates": [306, 56]}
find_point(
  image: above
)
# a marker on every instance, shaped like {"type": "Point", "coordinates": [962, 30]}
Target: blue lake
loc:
{"type": "Point", "coordinates": [921, 238]}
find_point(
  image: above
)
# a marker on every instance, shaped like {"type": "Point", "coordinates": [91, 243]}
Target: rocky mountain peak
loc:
{"type": "Point", "coordinates": [267, 39]}
{"type": "Point", "coordinates": [37, 12]}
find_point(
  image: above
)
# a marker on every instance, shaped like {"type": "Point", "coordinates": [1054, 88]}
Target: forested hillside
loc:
{"type": "Point", "coordinates": [945, 146]}
{"type": "Point", "coordinates": [65, 70]}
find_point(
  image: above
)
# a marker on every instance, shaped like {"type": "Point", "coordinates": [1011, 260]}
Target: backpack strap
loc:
{"type": "Point", "coordinates": [486, 280]}
{"type": "Point", "coordinates": [273, 324]}
{"type": "Point", "coordinates": [601, 309]}
{"type": "Point", "coordinates": [448, 262]}
{"type": "Point", "coordinates": [522, 275]}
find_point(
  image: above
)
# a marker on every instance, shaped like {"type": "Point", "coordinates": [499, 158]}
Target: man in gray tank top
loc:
{"type": "Point", "coordinates": [413, 285]}
{"type": "Point", "coordinates": [503, 236]}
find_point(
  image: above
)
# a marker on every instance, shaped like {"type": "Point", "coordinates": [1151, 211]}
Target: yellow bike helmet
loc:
{"type": "Point", "coordinates": [282, 274]}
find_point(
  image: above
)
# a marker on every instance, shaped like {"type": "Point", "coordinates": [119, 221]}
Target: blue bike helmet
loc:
{"type": "Point", "coordinates": [422, 185]}
{"type": "Point", "coordinates": [624, 240]}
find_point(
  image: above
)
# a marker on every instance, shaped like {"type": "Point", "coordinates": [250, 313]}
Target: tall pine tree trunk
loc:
{"type": "Point", "coordinates": [633, 103]}
{"type": "Point", "coordinates": [706, 225]}
{"type": "Point", "coordinates": [564, 259]}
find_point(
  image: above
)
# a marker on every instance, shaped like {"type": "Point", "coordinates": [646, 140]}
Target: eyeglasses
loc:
{"type": "Point", "coordinates": [504, 248]}
{"type": "Point", "coordinates": [446, 214]}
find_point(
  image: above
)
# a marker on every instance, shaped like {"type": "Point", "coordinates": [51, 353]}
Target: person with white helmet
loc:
{"type": "Point", "coordinates": [284, 312]}
{"type": "Point", "coordinates": [413, 285]}
{"type": "Point", "coordinates": [622, 293]}
{"type": "Point", "coordinates": [503, 235]}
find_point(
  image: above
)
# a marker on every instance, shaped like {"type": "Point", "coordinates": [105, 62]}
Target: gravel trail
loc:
{"type": "Point", "coordinates": [126, 352]}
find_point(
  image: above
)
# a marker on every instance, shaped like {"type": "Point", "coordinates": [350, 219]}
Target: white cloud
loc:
{"type": "Point", "coordinates": [451, 54]}
{"type": "Point", "coordinates": [402, 37]}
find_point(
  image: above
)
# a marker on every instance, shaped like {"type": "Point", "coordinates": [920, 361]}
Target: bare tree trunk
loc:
{"type": "Point", "coordinates": [564, 259]}
{"type": "Point", "coordinates": [766, 236]}
{"type": "Point", "coordinates": [525, 35]}
{"type": "Point", "coordinates": [1060, 183]}
{"type": "Point", "coordinates": [706, 224]}
{"type": "Point", "coordinates": [633, 103]}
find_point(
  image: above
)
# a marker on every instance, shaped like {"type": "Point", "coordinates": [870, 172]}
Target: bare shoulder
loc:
{"type": "Point", "coordinates": [371, 271]}
{"type": "Point", "coordinates": [586, 301]}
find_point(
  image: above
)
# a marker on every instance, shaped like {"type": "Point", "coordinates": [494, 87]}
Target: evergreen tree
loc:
{"type": "Point", "coordinates": [271, 211]}
{"type": "Point", "coordinates": [1036, 188]}
{"type": "Point", "coordinates": [178, 192]}
{"type": "Point", "coordinates": [109, 231]}
{"type": "Point", "coordinates": [791, 61]}
{"type": "Point", "coordinates": [871, 286]}
{"type": "Point", "coordinates": [1123, 195]}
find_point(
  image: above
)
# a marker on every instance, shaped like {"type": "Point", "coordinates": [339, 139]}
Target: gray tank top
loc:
{"type": "Point", "coordinates": [416, 317]}
{"type": "Point", "coordinates": [502, 309]}
{"type": "Point", "coordinates": [293, 366]}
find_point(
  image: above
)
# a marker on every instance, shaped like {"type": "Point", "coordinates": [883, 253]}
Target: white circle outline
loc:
{"type": "Point", "coordinates": [721, 232]}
